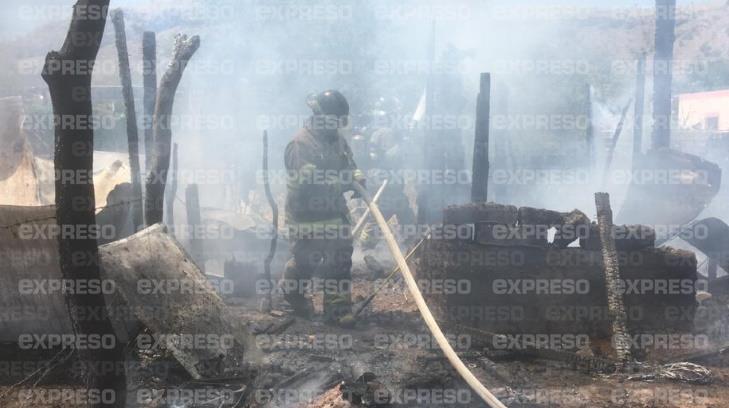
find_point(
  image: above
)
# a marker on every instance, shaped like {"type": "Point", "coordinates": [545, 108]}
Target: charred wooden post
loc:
{"type": "Point", "coordinates": [171, 193]}
{"type": "Point", "coordinates": [616, 308]}
{"type": "Point", "coordinates": [663, 72]}
{"type": "Point", "coordinates": [274, 224]}
{"type": "Point", "coordinates": [194, 220]}
{"type": "Point", "coordinates": [480, 176]}
{"type": "Point", "coordinates": [638, 109]}
{"type": "Point", "coordinates": [70, 92]}
{"type": "Point", "coordinates": [149, 57]}
{"type": "Point", "coordinates": [157, 177]}
{"type": "Point", "coordinates": [117, 18]}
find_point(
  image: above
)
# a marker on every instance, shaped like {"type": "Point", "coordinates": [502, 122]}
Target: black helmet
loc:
{"type": "Point", "coordinates": [329, 102]}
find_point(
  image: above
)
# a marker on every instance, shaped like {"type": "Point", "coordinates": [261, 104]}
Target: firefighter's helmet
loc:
{"type": "Point", "coordinates": [329, 102]}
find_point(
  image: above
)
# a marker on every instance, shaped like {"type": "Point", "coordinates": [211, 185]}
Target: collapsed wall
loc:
{"type": "Point", "coordinates": [507, 276]}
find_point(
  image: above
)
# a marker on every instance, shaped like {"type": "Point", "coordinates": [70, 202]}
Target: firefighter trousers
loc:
{"type": "Point", "coordinates": [320, 264]}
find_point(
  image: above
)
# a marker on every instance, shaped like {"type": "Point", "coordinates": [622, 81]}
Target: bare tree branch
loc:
{"type": "Point", "coordinates": [154, 202]}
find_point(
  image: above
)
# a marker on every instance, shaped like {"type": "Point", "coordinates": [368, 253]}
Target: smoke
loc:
{"type": "Point", "coordinates": [259, 60]}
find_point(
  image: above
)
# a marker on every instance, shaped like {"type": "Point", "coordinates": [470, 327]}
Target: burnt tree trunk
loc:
{"type": "Point", "coordinates": [663, 72]}
{"type": "Point", "coordinates": [149, 74]}
{"type": "Point", "coordinates": [480, 176]}
{"type": "Point", "coordinates": [68, 75]}
{"type": "Point", "coordinates": [616, 307]}
{"type": "Point", "coordinates": [171, 193]}
{"type": "Point", "coordinates": [117, 18]}
{"type": "Point", "coordinates": [157, 176]}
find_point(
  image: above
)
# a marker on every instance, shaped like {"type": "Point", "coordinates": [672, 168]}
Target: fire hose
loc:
{"type": "Point", "coordinates": [361, 223]}
{"type": "Point", "coordinates": [435, 330]}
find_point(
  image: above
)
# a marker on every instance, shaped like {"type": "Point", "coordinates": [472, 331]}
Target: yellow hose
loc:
{"type": "Point", "coordinates": [435, 330]}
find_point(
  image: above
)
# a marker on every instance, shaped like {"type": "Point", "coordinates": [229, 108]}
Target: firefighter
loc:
{"type": "Point", "coordinates": [389, 151]}
{"type": "Point", "coordinates": [320, 170]}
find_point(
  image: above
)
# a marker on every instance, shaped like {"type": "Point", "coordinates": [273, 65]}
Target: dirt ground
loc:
{"type": "Point", "coordinates": [311, 365]}
{"type": "Point", "coordinates": [518, 383]}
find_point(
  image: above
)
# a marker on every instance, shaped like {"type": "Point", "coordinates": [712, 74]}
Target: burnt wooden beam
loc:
{"type": "Point", "coordinates": [68, 75]}
{"type": "Point", "coordinates": [157, 177]}
{"type": "Point", "coordinates": [125, 75]}
{"type": "Point", "coordinates": [480, 176]}
{"type": "Point", "coordinates": [663, 72]}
